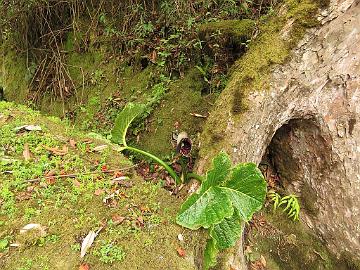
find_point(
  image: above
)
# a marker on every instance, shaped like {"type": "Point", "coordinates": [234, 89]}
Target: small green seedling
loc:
{"type": "Point", "coordinates": [290, 202]}
{"type": "Point", "coordinates": [4, 243]}
{"type": "Point", "coordinates": [122, 123]}
{"type": "Point", "coordinates": [110, 253]}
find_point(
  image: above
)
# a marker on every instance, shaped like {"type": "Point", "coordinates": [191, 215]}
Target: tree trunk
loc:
{"type": "Point", "coordinates": [308, 122]}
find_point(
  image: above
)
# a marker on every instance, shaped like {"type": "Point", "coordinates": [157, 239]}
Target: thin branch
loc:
{"type": "Point", "coordinates": [73, 175]}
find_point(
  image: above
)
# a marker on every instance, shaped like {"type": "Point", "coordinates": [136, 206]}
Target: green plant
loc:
{"type": "Point", "coordinates": [203, 72]}
{"type": "Point", "coordinates": [75, 247]}
{"type": "Point", "coordinates": [122, 123]}
{"type": "Point", "coordinates": [228, 196]}
{"type": "Point", "coordinates": [28, 264]}
{"type": "Point", "coordinates": [3, 245]}
{"type": "Point", "coordinates": [291, 203]}
{"type": "Point", "coordinates": [109, 253]}
{"type": "Point", "coordinates": [30, 213]}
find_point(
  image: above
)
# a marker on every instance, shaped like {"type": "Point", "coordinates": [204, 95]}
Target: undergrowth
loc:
{"type": "Point", "coordinates": [166, 34]}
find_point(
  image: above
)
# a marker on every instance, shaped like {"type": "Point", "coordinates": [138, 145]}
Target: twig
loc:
{"type": "Point", "coordinates": [77, 174]}
{"type": "Point", "coordinates": [319, 255]}
{"type": "Point", "coordinates": [198, 115]}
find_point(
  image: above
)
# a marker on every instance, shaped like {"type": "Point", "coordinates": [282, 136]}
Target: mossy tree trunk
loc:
{"type": "Point", "coordinates": [308, 121]}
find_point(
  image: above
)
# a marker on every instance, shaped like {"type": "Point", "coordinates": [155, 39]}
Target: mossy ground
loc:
{"type": "Point", "coordinates": [288, 244]}
{"type": "Point", "coordinates": [69, 207]}
{"type": "Point", "coordinates": [104, 86]}
{"type": "Point", "coordinates": [183, 99]}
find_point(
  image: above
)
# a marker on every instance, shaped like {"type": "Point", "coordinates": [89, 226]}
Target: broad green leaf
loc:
{"type": "Point", "coordinates": [227, 232]}
{"type": "Point", "coordinates": [246, 189]}
{"type": "Point", "coordinates": [210, 254]}
{"type": "Point", "coordinates": [219, 172]}
{"type": "Point", "coordinates": [206, 209]}
{"type": "Point", "coordinates": [123, 121]}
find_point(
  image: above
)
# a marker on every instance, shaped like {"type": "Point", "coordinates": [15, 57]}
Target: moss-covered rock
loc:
{"type": "Point", "coordinates": [279, 32]}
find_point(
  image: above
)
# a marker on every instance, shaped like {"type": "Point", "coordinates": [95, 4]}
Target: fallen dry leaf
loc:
{"type": "Point", "coordinates": [33, 226]}
{"type": "Point", "coordinates": [76, 183]}
{"type": "Point", "coordinates": [87, 141]}
{"type": "Point", "coordinates": [198, 115]}
{"type": "Point", "coordinates": [50, 180]}
{"type": "Point", "coordinates": [121, 178]}
{"type": "Point", "coordinates": [23, 196]}
{"type": "Point", "coordinates": [27, 128]}
{"type": "Point", "coordinates": [262, 260]}
{"type": "Point", "coordinates": [117, 174]}
{"type": "Point", "coordinates": [43, 184]}
{"type": "Point", "coordinates": [99, 192]}
{"type": "Point", "coordinates": [117, 219]}
{"type": "Point", "coordinates": [144, 209]}
{"type": "Point", "coordinates": [140, 221]}
{"type": "Point", "coordinates": [87, 242]}
{"type": "Point", "coordinates": [26, 153]}
{"type": "Point", "coordinates": [153, 56]}
{"type": "Point", "coordinates": [50, 173]}
{"type": "Point", "coordinates": [84, 266]}
{"type": "Point", "coordinates": [120, 181]}
{"type": "Point", "coordinates": [58, 152]}
{"type": "Point", "coordinates": [181, 252]}
{"type": "Point", "coordinates": [72, 143]}
{"type": "Point", "coordinates": [100, 148]}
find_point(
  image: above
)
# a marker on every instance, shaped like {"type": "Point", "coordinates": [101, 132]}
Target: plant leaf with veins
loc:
{"type": "Point", "coordinates": [246, 189]}
{"type": "Point", "coordinates": [216, 199]}
{"type": "Point", "coordinates": [123, 121]}
{"type": "Point", "coordinates": [219, 173]}
{"type": "Point", "coordinates": [204, 210]}
{"type": "Point", "coordinates": [225, 199]}
{"type": "Point", "coordinates": [210, 205]}
{"type": "Point", "coordinates": [227, 232]}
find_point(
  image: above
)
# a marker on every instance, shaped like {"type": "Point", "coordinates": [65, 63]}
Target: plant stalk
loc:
{"type": "Point", "coordinates": [159, 161]}
{"type": "Point", "coordinates": [196, 177]}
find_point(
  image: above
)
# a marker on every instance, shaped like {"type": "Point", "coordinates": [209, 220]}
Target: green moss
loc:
{"type": "Point", "coordinates": [14, 74]}
{"type": "Point", "coordinates": [236, 28]}
{"type": "Point", "coordinates": [239, 105]}
{"type": "Point", "coordinates": [289, 245]}
{"type": "Point", "coordinates": [93, 74]}
{"type": "Point", "coordinates": [69, 208]}
{"type": "Point", "coordinates": [183, 98]}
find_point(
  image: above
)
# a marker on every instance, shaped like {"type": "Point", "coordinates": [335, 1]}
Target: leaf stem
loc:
{"type": "Point", "coordinates": [158, 160]}
{"type": "Point", "coordinates": [196, 177]}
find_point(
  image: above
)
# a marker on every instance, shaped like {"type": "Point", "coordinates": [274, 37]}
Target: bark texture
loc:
{"type": "Point", "coordinates": [309, 123]}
